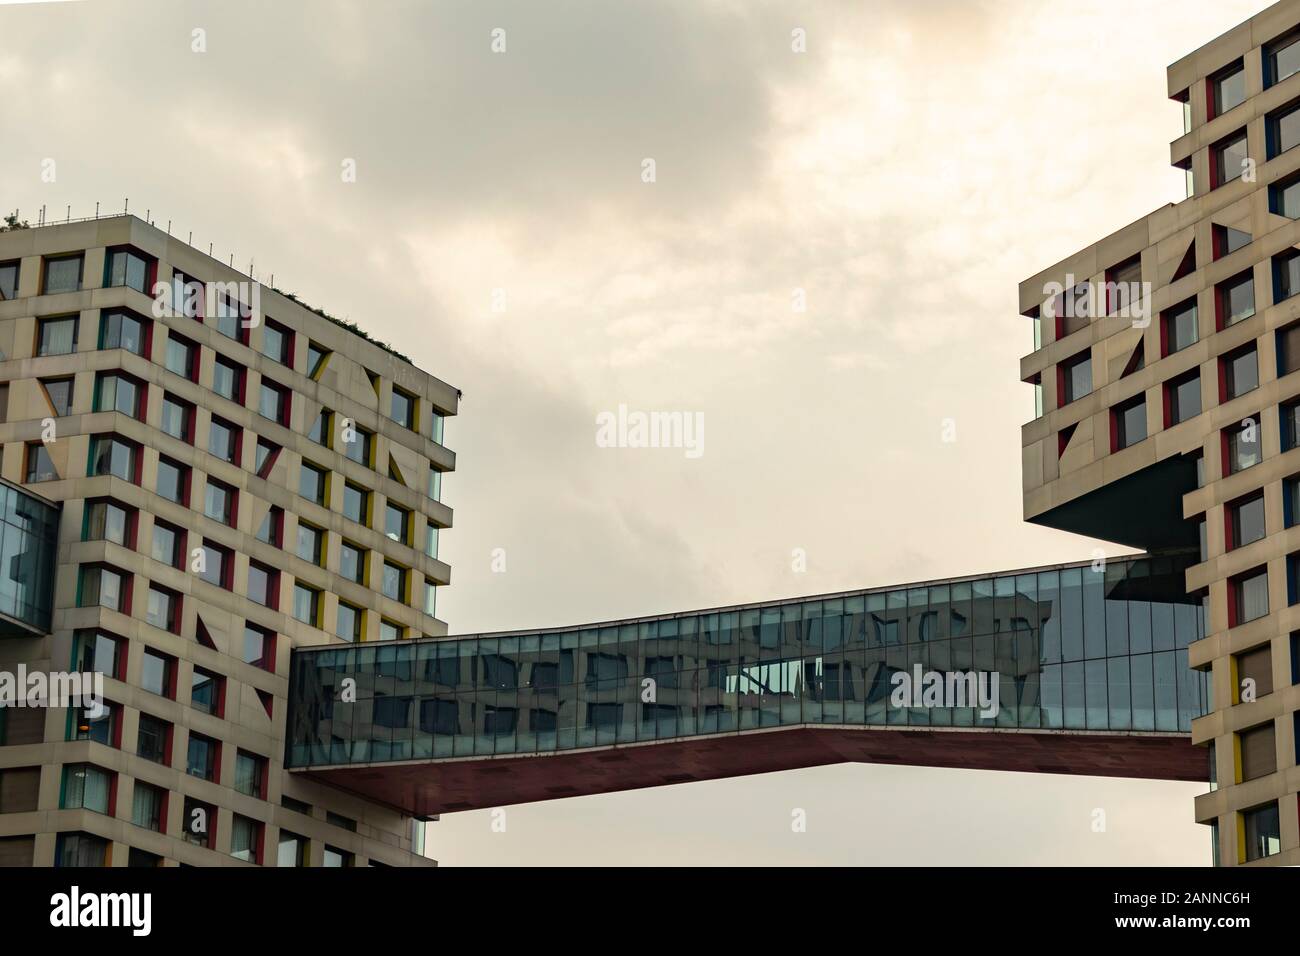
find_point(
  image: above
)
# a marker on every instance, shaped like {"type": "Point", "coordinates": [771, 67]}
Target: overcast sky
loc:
{"type": "Point", "coordinates": [905, 172]}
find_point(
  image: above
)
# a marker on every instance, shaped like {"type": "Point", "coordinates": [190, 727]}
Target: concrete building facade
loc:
{"type": "Point", "coordinates": [238, 475]}
{"type": "Point", "coordinates": [1167, 365]}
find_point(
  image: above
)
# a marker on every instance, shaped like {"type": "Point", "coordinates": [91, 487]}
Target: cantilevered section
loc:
{"type": "Point", "coordinates": [1089, 665]}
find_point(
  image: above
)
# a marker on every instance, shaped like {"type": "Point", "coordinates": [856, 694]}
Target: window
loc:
{"type": "Point", "coordinates": [228, 380]}
{"type": "Point", "coordinates": [80, 850]}
{"type": "Point", "coordinates": [1072, 309]}
{"type": "Point", "coordinates": [267, 453]}
{"type": "Point", "coordinates": [59, 392]}
{"type": "Point", "coordinates": [436, 427]}
{"type": "Point", "coordinates": [178, 418]}
{"type": "Point", "coordinates": [334, 857]}
{"type": "Point", "coordinates": [245, 839]}
{"type": "Point", "coordinates": [1228, 159]}
{"type": "Point", "coordinates": [1242, 446]}
{"type": "Point", "coordinates": [107, 520]}
{"type": "Point", "coordinates": [356, 503]}
{"type": "Point", "coordinates": [1123, 285]}
{"type": "Point", "coordinates": [217, 565]}
{"type": "Point", "coordinates": [56, 336]}
{"type": "Point", "coordinates": [223, 440]}
{"type": "Point", "coordinates": [277, 342]}
{"type": "Point", "coordinates": [263, 585]}
{"type": "Point", "coordinates": [320, 428]}
{"type": "Point", "coordinates": [273, 402]}
{"type": "Point", "coordinates": [199, 823]}
{"type": "Point", "coordinates": [311, 543]}
{"type": "Point", "coordinates": [292, 850]}
{"type": "Point", "coordinates": [1226, 240]}
{"type": "Point", "coordinates": [140, 859]}
{"type": "Point", "coordinates": [394, 585]}
{"type": "Point", "coordinates": [1128, 423]}
{"type": "Point", "coordinates": [153, 739]}
{"type": "Point", "coordinates": [403, 405]}
{"type": "Point", "coordinates": [397, 523]}
{"type": "Point", "coordinates": [311, 482]}
{"type": "Point", "coordinates": [1245, 520]}
{"type": "Point", "coordinates": [1227, 89]}
{"type": "Point", "coordinates": [430, 598]}
{"type": "Point", "coordinates": [230, 313]}
{"type": "Point", "coordinates": [39, 465]}
{"type": "Point", "coordinates": [101, 652]}
{"type": "Point", "coordinates": [250, 774]}
{"type": "Point", "coordinates": [1075, 377]}
{"type": "Point", "coordinates": [1179, 329]}
{"type": "Point", "coordinates": [1284, 197]}
{"type": "Point", "coordinates": [317, 356]}
{"type": "Point", "coordinates": [431, 539]}
{"type": "Point", "coordinates": [1291, 502]}
{"type": "Point", "coordinates": [110, 455]}
{"type": "Point", "coordinates": [306, 604]}
{"type": "Point", "coordinates": [259, 647]}
{"type": "Point", "coordinates": [1182, 398]}
{"type": "Point", "coordinates": [103, 727]}
{"type": "Point", "coordinates": [220, 502]}
{"type": "Point", "coordinates": [271, 530]}
{"type": "Point", "coordinates": [188, 294]}
{"type": "Point", "coordinates": [1263, 830]}
{"type": "Point", "coordinates": [1235, 299]}
{"type": "Point", "coordinates": [182, 357]}
{"type": "Point", "coordinates": [389, 630]}
{"type": "Point", "coordinates": [118, 393]}
{"type": "Point", "coordinates": [1239, 372]}
{"type": "Point", "coordinates": [102, 586]}
{"type": "Point", "coordinates": [1258, 752]}
{"type": "Point", "coordinates": [359, 446]}
{"type": "Point", "coordinates": [164, 609]}
{"type": "Point", "coordinates": [352, 562]}
{"type": "Point", "coordinates": [120, 329]}
{"type": "Point", "coordinates": [158, 673]}
{"type": "Point", "coordinates": [207, 692]}
{"type": "Point", "coordinates": [62, 274]}
{"type": "Point", "coordinates": [126, 267]}
{"type": "Point", "coordinates": [173, 481]}
{"type": "Point", "coordinates": [435, 484]}
{"type": "Point", "coordinates": [9, 280]}
{"type": "Point", "coordinates": [1248, 597]}
{"type": "Point", "coordinates": [1281, 58]}
{"type": "Point", "coordinates": [347, 624]}
{"type": "Point", "coordinates": [339, 820]}
{"type": "Point", "coordinates": [86, 787]}
{"type": "Point", "coordinates": [1282, 130]}
{"type": "Point", "coordinates": [147, 806]}
{"type": "Point", "coordinates": [202, 757]}
{"type": "Point", "coordinates": [1254, 674]}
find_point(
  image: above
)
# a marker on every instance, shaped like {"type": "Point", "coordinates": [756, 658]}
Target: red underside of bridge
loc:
{"type": "Point", "coordinates": [430, 787]}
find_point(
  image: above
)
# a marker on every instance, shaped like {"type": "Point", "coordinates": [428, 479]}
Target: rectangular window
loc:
{"type": "Point", "coordinates": [152, 740]}
{"type": "Point", "coordinates": [202, 757]}
{"type": "Point", "coordinates": [1282, 130]}
{"type": "Point", "coordinates": [119, 329]}
{"type": "Point", "coordinates": [39, 465]}
{"type": "Point", "coordinates": [277, 342]}
{"type": "Point", "coordinates": [217, 565]}
{"type": "Point", "coordinates": [178, 418]}
{"type": "Point", "coordinates": [86, 787]}
{"type": "Point", "coordinates": [158, 673]}
{"type": "Point", "coordinates": [1248, 595]}
{"type": "Point", "coordinates": [245, 839]}
{"type": "Point", "coordinates": [106, 520]}
{"type": "Point", "coordinates": [1228, 159]}
{"type": "Point", "coordinates": [147, 806]}
{"type": "Point", "coordinates": [356, 503]}
{"type": "Point", "coordinates": [267, 453]}
{"type": "Point", "coordinates": [207, 691]}
{"type": "Point", "coordinates": [394, 584]}
{"type": "Point", "coordinates": [320, 428]}
{"type": "Point", "coordinates": [103, 586]}
{"type": "Point", "coordinates": [101, 652]}
{"type": "Point", "coordinates": [306, 604]}
{"type": "Point", "coordinates": [352, 562]}
{"type": "Point", "coordinates": [273, 402]}
{"type": "Point", "coordinates": [127, 267]}
{"type": "Point", "coordinates": [1288, 349]}
{"type": "Point", "coordinates": [436, 427]}
{"type": "Point", "coordinates": [259, 647]}
{"type": "Point", "coordinates": [1263, 830]}
{"type": "Point", "coordinates": [173, 481]}
{"type": "Point", "coordinates": [1242, 446]}
{"type": "Point", "coordinates": [292, 850]}
{"type": "Point", "coordinates": [311, 543]}
{"type": "Point", "coordinates": [62, 274]}
{"type": "Point", "coordinates": [358, 446]}
{"type": "Point", "coordinates": [181, 357]}
{"type": "Point", "coordinates": [1227, 89]}
{"type": "Point", "coordinates": [317, 356]}
{"type": "Point", "coordinates": [389, 630]}
{"type": "Point", "coordinates": [118, 393]}
{"type": "Point", "coordinates": [334, 857]}
{"type": "Point", "coordinates": [1245, 520]}
{"type": "Point", "coordinates": [59, 392]}
{"type": "Point", "coordinates": [1284, 198]}
{"type": "Point", "coordinates": [228, 380]}
{"type": "Point", "coordinates": [164, 609]}
{"type": "Point", "coordinates": [1291, 501]}
{"type": "Point", "coordinates": [1075, 377]}
{"type": "Point", "coordinates": [1258, 752]}
{"type": "Point", "coordinates": [9, 280]}
{"type": "Point", "coordinates": [347, 624]}
{"type": "Point", "coordinates": [199, 823]}
{"type": "Point", "coordinates": [403, 408]}
{"type": "Point", "coordinates": [219, 502]}
{"type": "Point", "coordinates": [1281, 58]}
{"type": "Point", "coordinates": [80, 850]}
{"type": "Point", "coordinates": [397, 523]}
{"type": "Point", "coordinates": [1255, 673]}
{"type": "Point", "coordinates": [263, 585]}
{"type": "Point", "coordinates": [250, 774]}
{"type": "Point", "coordinates": [435, 484]}
{"type": "Point", "coordinates": [1179, 327]}
{"type": "Point", "coordinates": [1224, 240]}
{"type": "Point", "coordinates": [110, 455]}
{"type": "Point", "coordinates": [223, 440]}
{"type": "Point", "coordinates": [311, 482]}
{"type": "Point", "coordinates": [1235, 299]}
{"type": "Point", "coordinates": [188, 294]}
{"type": "Point", "coordinates": [431, 539]}
{"type": "Point", "coordinates": [1129, 423]}
{"type": "Point", "coordinates": [1183, 398]}
{"type": "Point", "coordinates": [1239, 372]}
{"type": "Point", "coordinates": [56, 336]}
{"type": "Point", "coordinates": [230, 316]}
{"type": "Point", "coordinates": [271, 530]}
{"type": "Point", "coordinates": [430, 598]}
